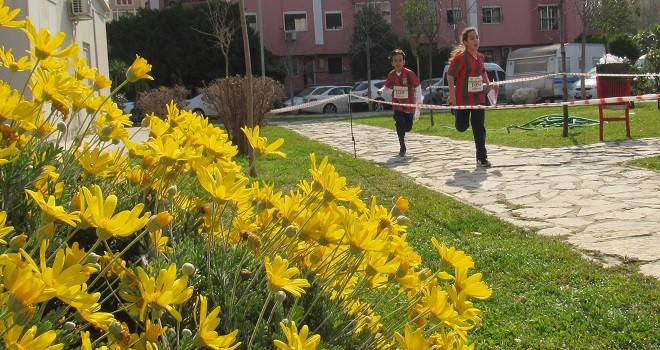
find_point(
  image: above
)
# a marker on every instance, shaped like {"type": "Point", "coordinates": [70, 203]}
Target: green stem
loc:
{"type": "Point", "coordinates": [261, 316]}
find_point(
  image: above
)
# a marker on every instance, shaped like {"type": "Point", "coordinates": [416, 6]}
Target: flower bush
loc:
{"type": "Point", "coordinates": [107, 243]}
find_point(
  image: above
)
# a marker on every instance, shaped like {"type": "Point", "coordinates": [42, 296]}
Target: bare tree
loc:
{"type": "Point", "coordinates": [586, 11]}
{"type": "Point", "coordinates": [222, 27]}
{"type": "Point", "coordinates": [648, 12]}
{"type": "Point", "coordinates": [371, 32]}
{"type": "Point", "coordinates": [421, 18]}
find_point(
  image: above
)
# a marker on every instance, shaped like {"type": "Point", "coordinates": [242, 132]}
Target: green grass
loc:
{"type": "Point", "coordinates": [546, 294]}
{"type": "Point", "coordinates": [645, 122]}
{"type": "Point", "coordinates": [649, 163]}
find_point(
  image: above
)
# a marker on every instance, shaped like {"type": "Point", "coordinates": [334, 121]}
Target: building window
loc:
{"type": "Point", "coordinates": [548, 17]}
{"type": "Point", "coordinates": [251, 20]}
{"type": "Point", "coordinates": [295, 21]}
{"type": "Point", "coordinates": [333, 21]}
{"type": "Point", "coordinates": [384, 7]}
{"type": "Point", "coordinates": [492, 14]}
{"type": "Point", "coordinates": [335, 65]}
{"type": "Point", "coordinates": [454, 16]}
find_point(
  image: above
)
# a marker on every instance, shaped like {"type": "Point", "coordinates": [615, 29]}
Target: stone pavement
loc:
{"type": "Point", "coordinates": [582, 192]}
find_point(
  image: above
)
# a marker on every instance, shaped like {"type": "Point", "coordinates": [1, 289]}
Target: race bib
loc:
{"type": "Point", "coordinates": [400, 92]}
{"type": "Point", "coordinates": [474, 84]}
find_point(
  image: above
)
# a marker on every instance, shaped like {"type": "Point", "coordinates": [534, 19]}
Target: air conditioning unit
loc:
{"type": "Point", "coordinates": [290, 35]}
{"type": "Point", "coordinates": [81, 10]}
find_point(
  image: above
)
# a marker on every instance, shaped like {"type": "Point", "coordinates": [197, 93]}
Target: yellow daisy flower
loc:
{"type": "Point", "coordinates": [260, 144]}
{"type": "Point", "coordinates": [15, 338]}
{"type": "Point", "coordinates": [45, 45]}
{"type": "Point", "coordinates": [279, 277]}
{"type": "Point", "coordinates": [7, 16]}
{"type": "Point", "coordinates": [139, 70]}
{"type": "Point", "coordinates": [4, 230]}
{"type": "Point", "coordinates": [206, 325]}
{"type": "Point", "coordinates": [297, 340]}
{"type": "Point", "coordinates": [472, 285]}
{"type": "Point", "coordinates": [8, 154]}
{"type": "Point", "coordinates": [412, 340]}
{"type": "Point", "coordinates": [99, 163]}
{"type": "Point", "coordinates": [10, 62]}
{"type": "Point", "coordinates": [100, 213]}
{"type": "Point", "coordinates": [223, 187]}
{"type": "Point", "coordinates": [51, 211]}
{"type": "Point", "coordinates": [163, 292]}
{"type": "Point", "coordinates": [334, 186]}
{"type": "Point", "coordinates": [452, 257]}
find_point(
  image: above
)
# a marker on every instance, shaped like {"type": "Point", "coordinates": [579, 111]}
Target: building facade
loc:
{"type": "Point", "coordinates": [83, 21]}
{"type": "Point", "coordinates": [317, 34]}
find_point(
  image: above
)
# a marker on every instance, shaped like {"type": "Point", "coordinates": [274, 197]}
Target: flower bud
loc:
{"type": "Point", "coordinates": [280, 296]}
{"type": "Point", "coordinates": [69, 326]}
{"type": "Point", "coordinates": [172, 190]}
{"type": "Point", "coordinates": [188, 269]}
{"type": "Point", "coordinates": [186, 332]}
{"type": "Point", "coordinates": [18, 242]}
{"type": "Point", "coordinates": [158, 221]}
{"type": "Point", "coordinates": [61, 126]}
{"type": "Point", "coordinates": [92, 258]}
{"type": "Point", "coordinates": [245, 273]}
{"type": "Point", "coordinates": [115, 329]}
{"type": "Point", "coordinates": [286, 322]}
{"type": "Point", "coordinates": [402, 220]}
{"type": "Point", "coordinates": [290, 231]}
{"type": "Point", "coordinates": [367, 319]}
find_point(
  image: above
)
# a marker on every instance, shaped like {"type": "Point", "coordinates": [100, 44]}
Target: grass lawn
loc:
{"type": "Point", "coordinates": [546, 294]}
{"type": "Point", "coordinates": [645, 122]}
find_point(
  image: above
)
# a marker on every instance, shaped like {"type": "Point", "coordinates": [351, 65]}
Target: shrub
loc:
{"type": "Point", "coordinates": [155, 100]}
{"type": "Point", "coordinates": [228, 96]}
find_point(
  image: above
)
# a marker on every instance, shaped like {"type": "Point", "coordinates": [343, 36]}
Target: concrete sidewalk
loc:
{"type": "Point", "coordinates": [584, 193]}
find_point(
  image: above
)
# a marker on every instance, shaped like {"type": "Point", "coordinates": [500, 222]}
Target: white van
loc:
{"type": "Point", "coordinates": [535, 61]}
{"type": "Point", "coordinates": [439, 92]}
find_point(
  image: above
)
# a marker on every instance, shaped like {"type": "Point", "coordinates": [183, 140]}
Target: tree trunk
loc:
{"type": "Point", "coordinates": [248, 91]}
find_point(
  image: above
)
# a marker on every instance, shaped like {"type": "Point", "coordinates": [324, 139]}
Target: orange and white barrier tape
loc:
{"type": "Point", "coordinates": [593, 101]}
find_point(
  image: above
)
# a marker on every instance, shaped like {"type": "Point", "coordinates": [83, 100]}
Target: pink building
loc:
{"type": "Point", "coordinates": [317, 34]}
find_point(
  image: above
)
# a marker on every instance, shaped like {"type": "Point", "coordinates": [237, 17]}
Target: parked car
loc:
{"type": "Point", "coordinates": [199, 106]}
{"type": "Point", "coordinates": [339, 105]}
{"type": "Point", "coordinates": [589, 87]}
{"type": "Point", "coordinates": [428, 82]}
{"type": "Point", "coordinates": [361, 89]}
{"type": "Point", "coordinates": [310, 90]}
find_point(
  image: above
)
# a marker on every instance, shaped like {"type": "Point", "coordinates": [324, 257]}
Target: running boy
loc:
{"type": "Point", "coordinates": [466, 70]}
{"type": "Point", "coordinates": [407, 90]}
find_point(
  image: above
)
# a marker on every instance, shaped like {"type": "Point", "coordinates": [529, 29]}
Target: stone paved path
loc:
{"type": "Point", "coordinates": [582, 192]}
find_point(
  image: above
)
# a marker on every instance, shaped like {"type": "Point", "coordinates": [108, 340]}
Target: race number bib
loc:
{"type": "Point", "coordinates": [400, 92]}
{"type": "Point", "coordinates": [474, 84]}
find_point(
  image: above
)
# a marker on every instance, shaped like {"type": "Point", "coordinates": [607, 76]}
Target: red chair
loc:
{"type": "Point", "coordinates": [613, 87]}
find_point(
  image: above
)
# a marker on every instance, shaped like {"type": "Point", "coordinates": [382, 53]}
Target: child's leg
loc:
{"type": "Point", "coordinates": [462, 119]}
{"type": "Point", "coordinates": [408, 121]}
{"type": "Point", "coordinates": [478, 117]}
{"type": "Point", "coordinates": [400, 124]}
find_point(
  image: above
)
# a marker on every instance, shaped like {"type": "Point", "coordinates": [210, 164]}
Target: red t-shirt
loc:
{"type": "Point", "coordinates": [403, 85]}
{"type": "Point", "coordinates": [462, 67]}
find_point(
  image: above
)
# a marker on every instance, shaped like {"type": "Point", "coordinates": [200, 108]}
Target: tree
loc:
{"type": "Point", "coordinates": [179, 54]}
{"type": "Point", "coordinates": [649, 41]}
{"type": "Point", "coordinates": [648, 12]}
{"type": "Point", "coordinates": [585, 10]}
{"type": "Point", "coordinates": [421, 18]}
{"type": "Point", "coordinates": [373, 40]}
{"type": "Point", "coordinates": [613, 17]}
{"type": "Point", "coordinates": [222, 28]}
